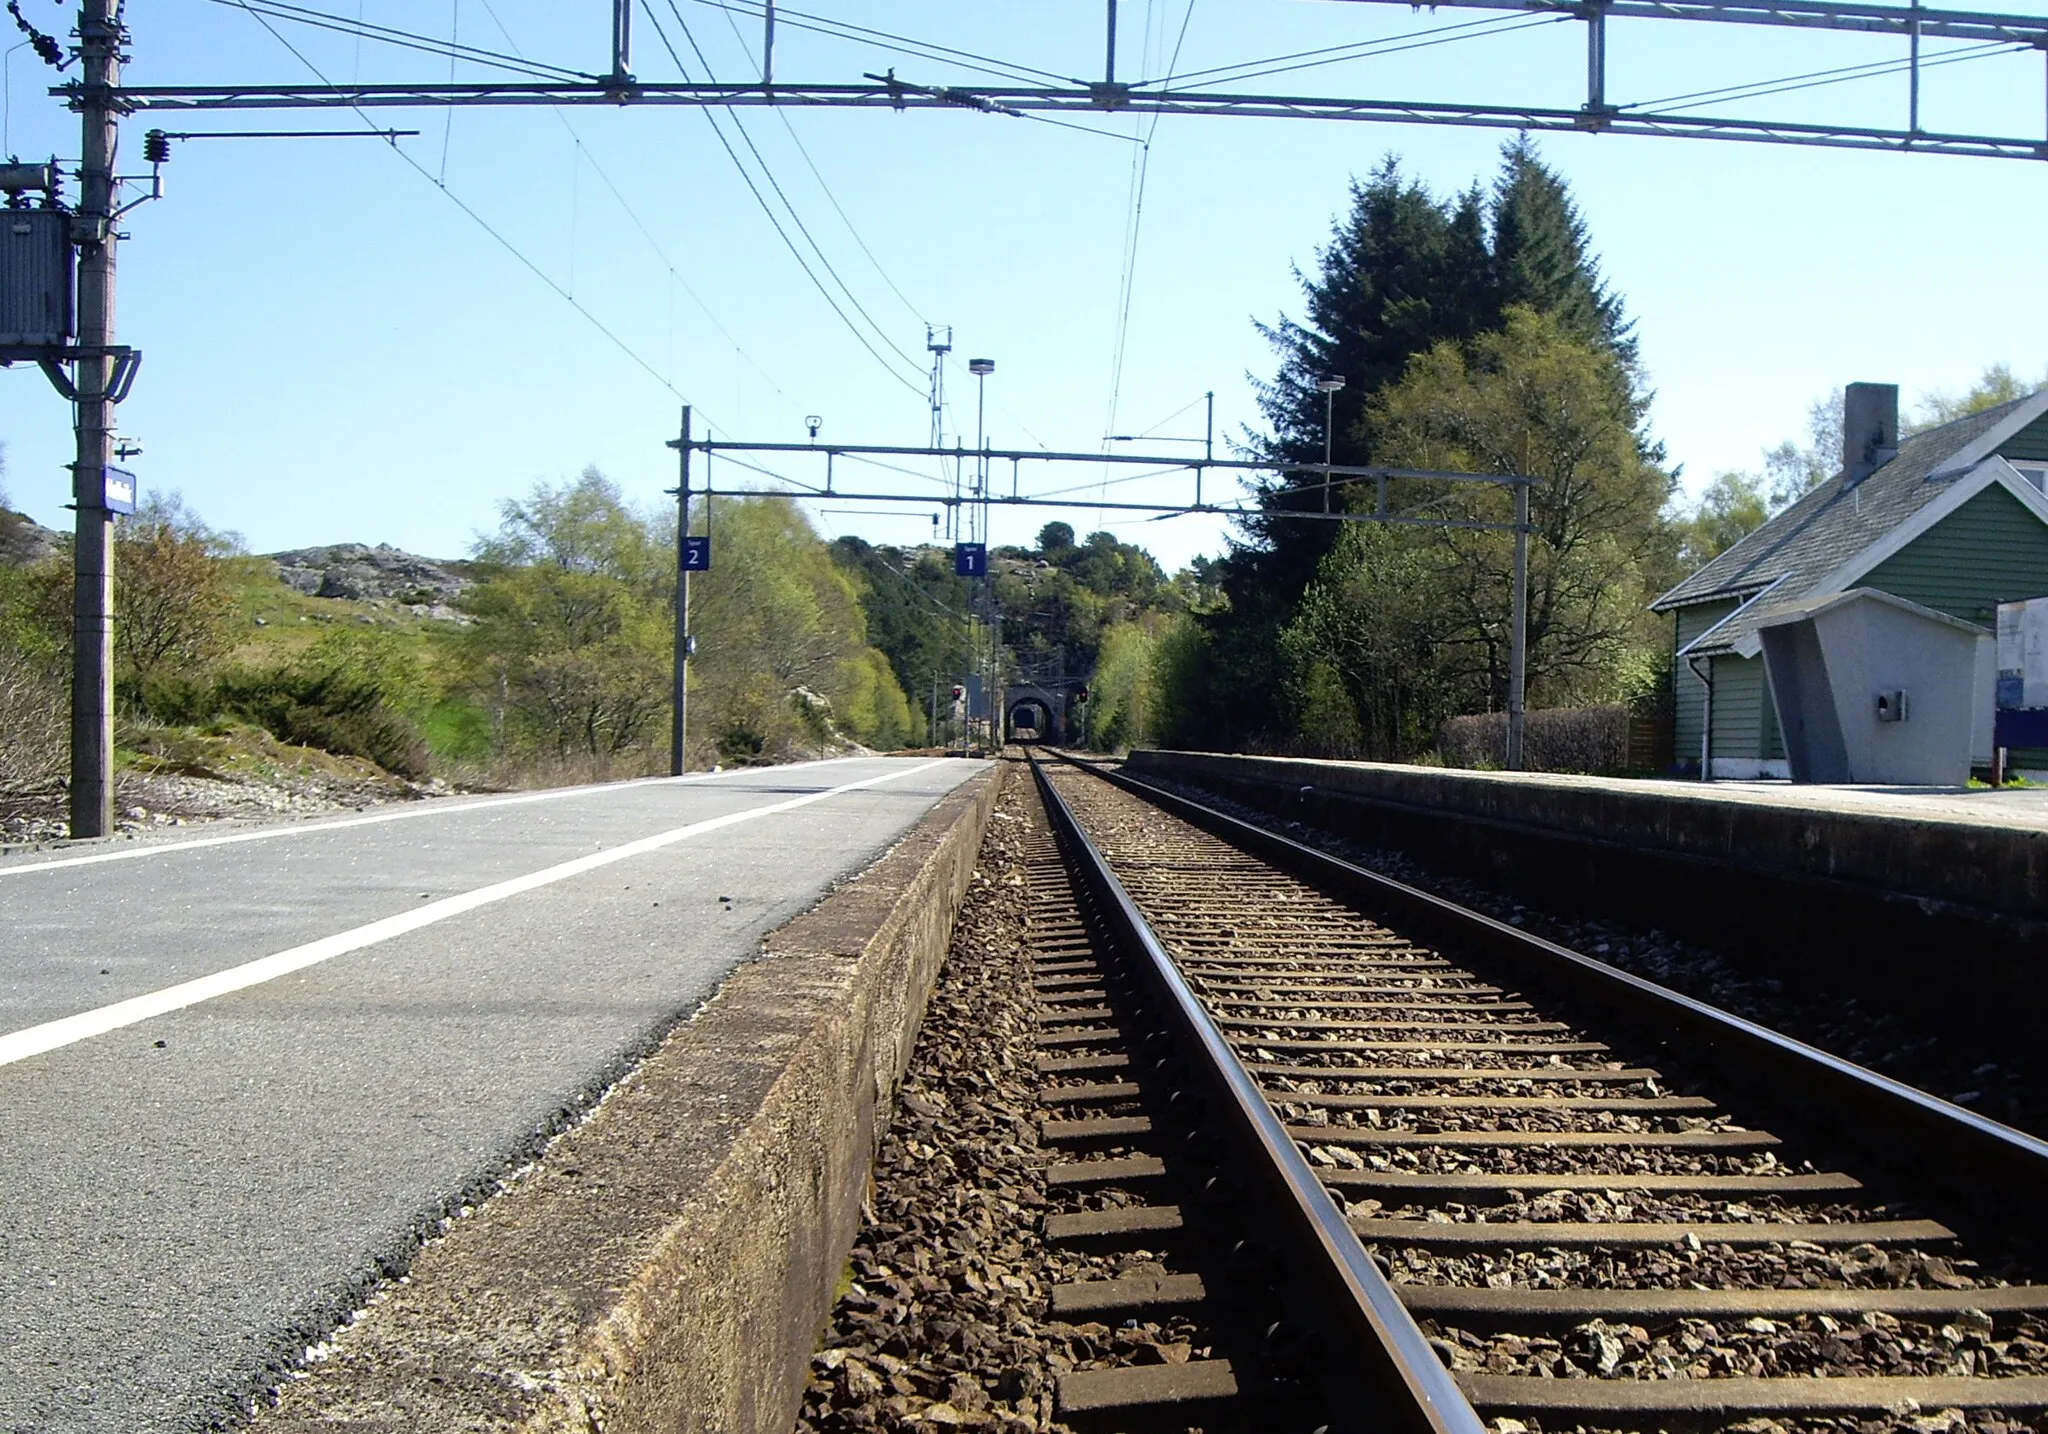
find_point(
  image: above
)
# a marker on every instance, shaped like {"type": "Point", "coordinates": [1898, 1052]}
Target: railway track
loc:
{"type": "Point", "coordinates": [1489, 1181]}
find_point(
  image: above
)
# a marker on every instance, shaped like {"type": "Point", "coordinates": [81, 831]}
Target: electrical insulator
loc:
{"type": "Point", "coordinates": [156, 147]}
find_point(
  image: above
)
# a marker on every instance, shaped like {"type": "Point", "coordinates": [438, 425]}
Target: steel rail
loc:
{"type": "Point", "coordinates": [1398, 1355]}
{"type": "Point", "coordinates": [1930, 1139]}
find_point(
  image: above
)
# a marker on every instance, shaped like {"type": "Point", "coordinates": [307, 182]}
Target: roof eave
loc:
{"type": "Point", "coordinates": [1985, 444]}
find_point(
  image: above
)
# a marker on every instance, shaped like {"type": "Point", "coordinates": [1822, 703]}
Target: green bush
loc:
{"type": "Point", "coordinates": [333, 709]}
{"type": "Point", "coordinates": [176, 699]}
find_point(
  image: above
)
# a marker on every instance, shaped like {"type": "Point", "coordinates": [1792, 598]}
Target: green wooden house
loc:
{"type": "Point", "coordinates": [1954, 518]}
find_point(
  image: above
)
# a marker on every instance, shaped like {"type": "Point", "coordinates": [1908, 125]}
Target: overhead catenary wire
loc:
{"type": "Point", "coordinates": [769, 174]}
{"type": "Point", "coordinates": [1141, 162]}
{"type": "Point", "coordinates": [1353, 50]}
{"type": "Point", "coordinates": [1816, 79]}
{"type": "Point", "coordinates": [768, 210]}
{"type": "Point", "coordinates": [826, 189]}
{"type": "Point", "coordinates": [633, 214]}
{"type": "Point", "coordinates": [896, 44]}
{"type": "Point", "coordinates": [402, 39]}
{"type": "Point", "coordinates": [509, 247]}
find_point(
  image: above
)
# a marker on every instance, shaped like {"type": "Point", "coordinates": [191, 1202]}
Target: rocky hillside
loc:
{"type": "Point", "coordinates": [381, 574]}
{"type": "Point", "coordinates": [23, 540]}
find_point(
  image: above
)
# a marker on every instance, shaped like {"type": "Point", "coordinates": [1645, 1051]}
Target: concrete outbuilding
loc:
{"type": "Point", "coordinates": [1872, 688]}
{"type": "Point", "coordinates": [1954, 518]}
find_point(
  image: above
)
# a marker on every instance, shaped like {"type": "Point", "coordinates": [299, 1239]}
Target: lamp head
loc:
{"type": "Point", "coordinates": [981, 368]}
{"type": "Point", "coordinates": [1333, 384]}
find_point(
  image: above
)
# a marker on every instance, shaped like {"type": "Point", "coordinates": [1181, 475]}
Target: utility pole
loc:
{"type": "Point", "coordinates": [679, 725]}
{"type": "Point", "coordinates": [92, 604]}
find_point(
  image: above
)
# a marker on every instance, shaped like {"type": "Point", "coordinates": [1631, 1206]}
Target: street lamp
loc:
{"type": "Point", "coordinates": [1329, 388]}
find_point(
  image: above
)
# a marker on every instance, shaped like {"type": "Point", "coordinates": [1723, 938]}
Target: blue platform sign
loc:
{"type": "Point", "coordinates": [970, 560]}
{"type": "Point", "coordinates": [697, 554]}
{"type": "Point", "coordinates": [119, 491]}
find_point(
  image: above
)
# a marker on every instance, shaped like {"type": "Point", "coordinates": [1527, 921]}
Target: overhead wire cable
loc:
{"type": "Point", "coordinates": [769, 174]}
{"type": "Point", "coordinates": [1100, 485]}
{"type": "Point", "coordinates": [604, 177]}
{"type": "Point", "coordinates": [1141, 164]}
{"type": "Point", "coordinates": [448, 115]}
{"type": "Point", "coordinates": [899, 44]}
{"type": "Point", "coordinates": [810, 488]}
{"type": "Point", "coordinates": [1381, 49]}
{"type": "Point", "coordinates": [894, 467]}
{"type": "Point", "coordinates": [402, 39]}
{"type": "Point", "coordinates": [830, 197]}
{"type": "Point", "coordinates": [509, 247]}
{"type": "Point", "coordinates": [1816, 79]}
{"type": "Point", "coordinates": [1350, 50]}
{"type": "Point", "coordinates": [769, 212]}
{"type": "Point", "coordinates": [1148, 432]}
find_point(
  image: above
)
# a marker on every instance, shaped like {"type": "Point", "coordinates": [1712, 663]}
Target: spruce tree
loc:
{"type": "Point", "coordinates": [1540, 256]}
{"type": "Point", "coordinates": [1402, 271]}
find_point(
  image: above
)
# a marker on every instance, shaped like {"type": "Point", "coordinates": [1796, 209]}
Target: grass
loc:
{"type": "Point", "coordinates": [280, 622]}
{"type": "Point", "coordinates": [232, 752]}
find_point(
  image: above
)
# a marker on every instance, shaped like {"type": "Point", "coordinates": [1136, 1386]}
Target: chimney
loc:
{"type": "Point", "coordinates": [1870, 429]}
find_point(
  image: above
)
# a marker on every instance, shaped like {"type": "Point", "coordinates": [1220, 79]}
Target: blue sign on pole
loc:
{"type": "Point", "coordinates": [697, 554]}
{"type": "Point", "coordinates": [119, 493]}
{"type": "Point", "coordinates": [970, 560]}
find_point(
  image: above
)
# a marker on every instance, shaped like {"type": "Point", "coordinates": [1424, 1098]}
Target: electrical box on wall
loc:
{"type": "Point", "coordinates": [35, 279]}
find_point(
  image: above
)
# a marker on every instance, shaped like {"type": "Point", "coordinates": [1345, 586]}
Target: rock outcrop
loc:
{"type": "Point", "coordinates": [23, 540]}
{"type": "Point", "coordinates": [366, 574]}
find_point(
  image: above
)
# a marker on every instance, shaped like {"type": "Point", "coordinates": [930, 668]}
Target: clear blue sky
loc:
{"type": "Point", "coordinates": [336, 351]}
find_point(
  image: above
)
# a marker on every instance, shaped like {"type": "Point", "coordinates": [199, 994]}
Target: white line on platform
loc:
{"type": "Point", "coordinates": [427, 808]}
{"type": "Point", "coordinates": [49, 1036]}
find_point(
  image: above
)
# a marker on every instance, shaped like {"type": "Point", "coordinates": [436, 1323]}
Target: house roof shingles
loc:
{"type": "Point", "coordinates": [1828, 526]}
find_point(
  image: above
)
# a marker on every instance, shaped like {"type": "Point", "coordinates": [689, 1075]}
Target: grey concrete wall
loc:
{"type": "Point", "coordinates": [669, 1264]}
{"type": "Point", "coordinates": [1941, 916]}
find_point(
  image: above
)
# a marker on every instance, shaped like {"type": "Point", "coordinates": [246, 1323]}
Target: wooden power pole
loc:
{"type": "Point", "coordinates": [92, 633]}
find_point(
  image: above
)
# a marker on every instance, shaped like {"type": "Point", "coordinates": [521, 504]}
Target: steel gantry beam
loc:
{"type": "Point", "coordinates": [1912, 23]}
{"type": "Point", "coordinates": [1330, 474]}
{"type": "Point", "coordinates": [1904, 20]}
{"type": "Point", "coordinates": [1081, 102]}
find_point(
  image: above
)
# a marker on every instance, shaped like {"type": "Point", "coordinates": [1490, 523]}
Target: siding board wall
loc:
{"type": "Point", "coordinates": [2029, 442]}
{"type": "Point", "coordinates": [1689, 694]}
{"type": "Point", "coordinates": [1988, 551]}
{"type": "Point", "coordinates": [1739, 702]}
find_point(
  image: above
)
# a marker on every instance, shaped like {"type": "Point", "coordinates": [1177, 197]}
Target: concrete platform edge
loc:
{"type": "Point", "coordinates": [1943, 922]}
{"type": "Point", "coordinates": [669, 1263]}
{"type": "Point", "coordinates": [1967, 863]}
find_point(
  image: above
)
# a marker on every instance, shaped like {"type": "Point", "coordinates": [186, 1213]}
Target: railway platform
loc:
{"type": "Point", "coordinates": [539, 1110]}
{"type": "Point", "coordinates": [1936, 899]}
